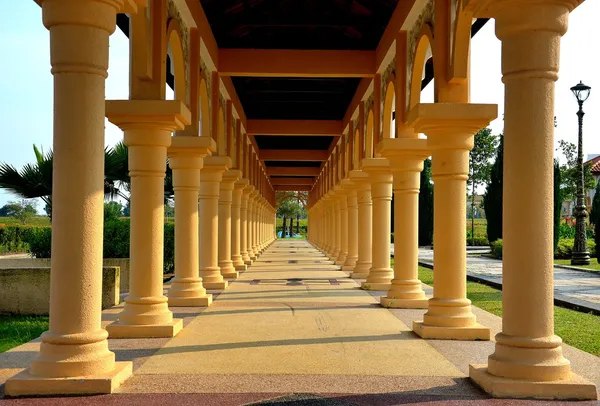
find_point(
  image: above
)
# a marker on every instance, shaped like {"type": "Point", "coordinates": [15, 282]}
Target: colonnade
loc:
{"type": "Point", "coordinates": [224, 216]}
{"type": "Point", "coordinates": [528, 360]}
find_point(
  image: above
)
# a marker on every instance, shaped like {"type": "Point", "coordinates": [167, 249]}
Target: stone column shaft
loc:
{"type": "Point", "coordinates": [352, 231]}
{"type": "Point", "coordinates": [381, 273]}
{"type": "Point", "coordinates": [528, 360]}
{"type": "Point", "coordinates": [210, 179]}
{"type": "Point", "coordinates": [236, 226]}
{"type": "Point", "coordinates": [75, 344]}
{"type": "Point", "coordinates": [365, 228]}
{"type": "Point", "coordinates": [186, 158]}
{"type": "Point", "coordinates": [225, 202]}
{"type": "Point", "coordinates": [244, 227]}
{"type": "Point", "coordinates": [341, 259]}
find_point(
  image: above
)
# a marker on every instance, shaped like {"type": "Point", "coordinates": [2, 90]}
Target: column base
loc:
{"type": "Point", "coordinates": [574, 388]}
{"type": "Point", "coordinates": [216, 285]}
{"type": "Point", "coordinates": [231, 274]}
{"type": "Point", "coordinates": [375, 286]}
{"type": "Point", "coordinates": [471, 333]}
{"type": "Point", "coordinates": [405, 303]}
{"type": "Point", "coordinates": [248, 262]}
{"type": "Point", "coordinates": [348, 268]}
{"type": "Point", "coordinates": [26, 384]}
{"type": "Point", "coordinates": [120, 330]}
{"type": "Point", "coordinates": [359, 275]}
{"type": "Point", "coordinates": [241, 268]}
{"type": "Point", "coordinates": [201, 301]}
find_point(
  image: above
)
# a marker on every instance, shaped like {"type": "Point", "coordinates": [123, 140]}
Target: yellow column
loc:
{"type": "Point", "coordinates": [225, 201]}
{"type": "Point", "coordinates": [76, 345]}
{"type": "Point", "coordinates": [147, 125]}
{"type": "Point", "coordinates": [381, 274]}
{"type": "Point", "coordinates": [251, 206]}
{"type": "Point", "coordinates": [528, 360]}
{"type": "Point", "coordinates": [352, 216]}
{"type": "Point", "coordinates": [365, 229]}
{"type": "Point", "coordinates": [244, 226]}
{"type": "Point", "coordinates": [186, 158]}
{"type": "Point", "coordinates": [337, 229]}
{"type": "Point", "coordinates": [343, 204]}
{"type": "Point", "coordinates": [326, 225]}
{"type": "Point", "coordinates": [236, 225]}
{"type": "Point", "coordinates": [450, 128]}
{"type": "Point", "coordinates": [210, 179]}
{"type": "Point", "coordinates": [406, 158]}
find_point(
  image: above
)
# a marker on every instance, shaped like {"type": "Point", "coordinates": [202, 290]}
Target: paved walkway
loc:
{"type": "Point", "coordinates": [573, 287]}
{"type": "Point", "coordinates": [294, 329]}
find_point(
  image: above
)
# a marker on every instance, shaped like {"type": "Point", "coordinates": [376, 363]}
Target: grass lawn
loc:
{"type": "Point", "coordinates": [35, 221]}
{"type": "Point", "coordinates": [577, 329]}
{"type": "Point", "coordinates": [594, 266]}
{"type": "Point", "coordinates": [17, 330]}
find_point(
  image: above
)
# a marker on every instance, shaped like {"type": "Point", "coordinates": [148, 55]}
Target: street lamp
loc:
{"type": "Point", "coordinates": [581, 255]}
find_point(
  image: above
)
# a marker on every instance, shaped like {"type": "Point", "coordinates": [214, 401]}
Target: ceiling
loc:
{"type": "Point", "coordinates": [298, 24]}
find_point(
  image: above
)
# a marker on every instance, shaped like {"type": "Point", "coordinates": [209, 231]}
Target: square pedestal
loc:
{"type": "Point", "coordinates": [376, 286]}
{"type": "Point", "coordinates": [249, 262]}
{"type": "Point", "coordinates": [241, 268]}
{"type": "Point", "coordinates": [215, 285]}
{"type": "Point", "coordinates": [26, 384]}
{"type": "Point", "coordinates": [359, 275]}
{"type": "Point", "coordinates": [203, 301]}
{"type": "Point", "coordinates": [473, 333]}
{"type": "Point", "coordinates": [231, 275]}
{"type": "Point", "coordinates": [119, 330]}
{"type": "Point", "coordinates": [498, 387]}
{"type": "Point", "coordinates": [404, 303]}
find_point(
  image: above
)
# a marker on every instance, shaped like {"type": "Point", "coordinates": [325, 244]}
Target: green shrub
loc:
{"type": "Point", "coordinates": [497, 248]}
{"type": "Point", "coordinates": [116, 238]}
{"type": "Point", "coordinates": [40, 242]}
{"type": "Point", "coordinates": [478, 241]}
{"type": "Point", "coordinates": [564, 249]}
{"type": "Point", "coordinates": [169, 252]}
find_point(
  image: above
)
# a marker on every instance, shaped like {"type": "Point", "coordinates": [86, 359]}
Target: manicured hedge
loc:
{"type": "Point", "coordinates": [564, 249]}
{"type": "Point", "coordinates": [38, 240]}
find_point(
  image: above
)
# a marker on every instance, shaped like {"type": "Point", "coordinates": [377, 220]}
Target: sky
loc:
{"type": "Point", "coordinates": [26, 82]}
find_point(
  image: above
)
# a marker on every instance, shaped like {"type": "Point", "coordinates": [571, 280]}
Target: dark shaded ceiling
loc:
{"type": "Point", "coordinates": [293, 142]}
{"type": "Point", "coordinates": [294, 164]}
{"type": "Point", "coordinates": [298, 24]}
{"type": "Point", "coordinates": [295, 98]}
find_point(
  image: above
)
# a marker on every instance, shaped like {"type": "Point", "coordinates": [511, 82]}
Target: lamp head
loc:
{"type": "Point", "coordinates": [581, 92]}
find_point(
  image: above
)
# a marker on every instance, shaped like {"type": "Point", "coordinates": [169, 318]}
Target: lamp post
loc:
{"type": "Point", "coordinates": [581, 255]}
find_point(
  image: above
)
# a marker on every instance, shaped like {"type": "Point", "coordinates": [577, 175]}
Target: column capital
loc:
{"type": "Point", "coordinates": [213, 168]}
{"type": "Point", "coordinates": [230, 177]}
{"type": "Point", "coordinates": [405, 154]}
{"type": "Point", "coordinates": [493, 8]}
{"type": "Point", "coordinates": [96, 13]}
{"type": "Point", "coordinates": [451, 125]}
{"type": "Point", "coordinates": [242, 184]}
{"type": "Point", "coordinates": [166, 115]}
{"type": "Point", "coordinates": [378, 170]}
{"type": "Point", "coordinates": [188, 152]}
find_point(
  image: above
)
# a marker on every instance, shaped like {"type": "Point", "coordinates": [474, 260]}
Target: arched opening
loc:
{"type": "Point", "coordinates": [369, 135]}
{"type": "Point", "coordinates": [423, 60]}
{"type": "Point", "coordinates": [389, 109]}
{"type": "Point", "coordinates": [221, 137]}
{"type": "Point", "coordinates": [175, 62]}
{"type": "Point", "coordinates": [204, 116]}
{"type": "Point", "coordinates": [356, 151]}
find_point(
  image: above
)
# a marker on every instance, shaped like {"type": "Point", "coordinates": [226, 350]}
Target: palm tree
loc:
{"type": "Point", "coordinates": [288, 208]}
{"type": "Point", "coordinates": [35, 180]}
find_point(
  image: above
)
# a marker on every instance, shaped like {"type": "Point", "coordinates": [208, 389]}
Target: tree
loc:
{"type": "Point", "coordinates": [485, 144]}
{"type": "Point", "coordinates": [595, 218]}
{"type": "Point", "coordinates": [6, 210]}
{"type": "Point", "coordinates": [426, 205]}
{"type": "Point", "coordinates": [570, 175]}
{"type": "Point", "coordinates": [23, 210]}
{"type": "Point", "coordinates": [287, 209]}
{"type": "Point", "coordinates": [492, 199]}
{"type": "Point", "coordinates": [557, 202]}
{"type": "Point", "coordinates": [112, 211]}
{"type": "Point", "coordinates": [35, 180]}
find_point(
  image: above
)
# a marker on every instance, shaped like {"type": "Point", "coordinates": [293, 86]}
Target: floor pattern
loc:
{"type": "Point", "coordinates": [292, 330]}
